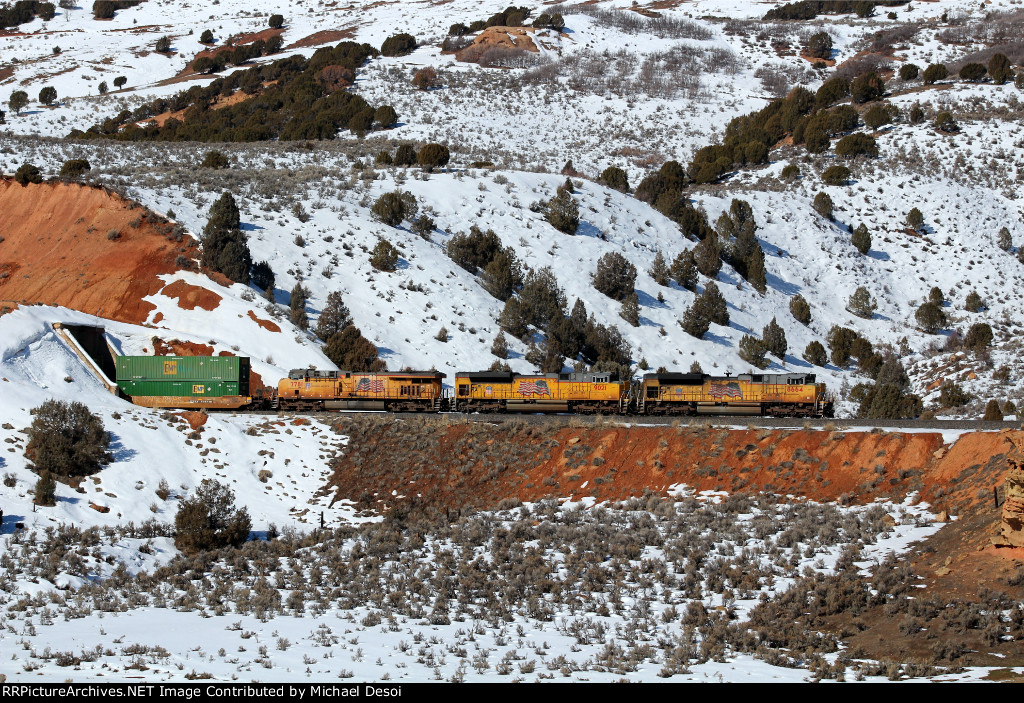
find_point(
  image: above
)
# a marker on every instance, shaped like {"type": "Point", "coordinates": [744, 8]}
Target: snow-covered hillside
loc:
{"type": "Point", "coordinates": [965, 185]}
{"type": "Point", "coordinates": [609, 90]}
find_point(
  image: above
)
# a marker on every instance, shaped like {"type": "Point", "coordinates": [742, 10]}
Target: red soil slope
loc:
{"type": "Point", "coordinates": [451, 464]}
{"type": "Point", "coordinates": [56, 250]}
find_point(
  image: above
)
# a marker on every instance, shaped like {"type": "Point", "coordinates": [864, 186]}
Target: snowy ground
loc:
{"type": "Point", "coordinates": [631, 632]}
{"type": "Point", "coordinates": [966, 186]}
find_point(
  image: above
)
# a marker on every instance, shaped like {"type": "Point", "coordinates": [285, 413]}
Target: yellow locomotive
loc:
{"type": "Point", "coordinates": [409, 391]}
{"type": "Point", "coordinates": [501, 391]}
{"type": "Point", "coordinates": [781, 395]}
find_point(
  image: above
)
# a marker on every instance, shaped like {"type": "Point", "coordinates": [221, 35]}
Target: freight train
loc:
{"type": "Point", "coordinates": [223, 382]}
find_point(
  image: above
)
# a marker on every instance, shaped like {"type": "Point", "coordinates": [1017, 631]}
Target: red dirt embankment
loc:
{"type": "Point", "coordinates": [448, 466]}
{"type": "Point", "coordinates": [58, 248]}
{"type": "Point", "coordinates": [507, 38]}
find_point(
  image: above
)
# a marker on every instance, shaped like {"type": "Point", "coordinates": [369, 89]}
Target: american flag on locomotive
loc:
{"type": "Point", "coordinates": [725, 390]}
{"type": "Point", "coordinates": [538, 387]}
{"type": "Point", "coordinates": [367, 385]}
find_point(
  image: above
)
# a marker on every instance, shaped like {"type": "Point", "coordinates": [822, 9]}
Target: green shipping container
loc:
{"type": "Point", "coordinates": [206, 376]}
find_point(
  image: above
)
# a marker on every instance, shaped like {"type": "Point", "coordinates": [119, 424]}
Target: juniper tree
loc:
{"type": "Point", "coordinates": [659, 270]}
{"type": "Point", "coordinates": [840, 340]}
{"type": "Point", "coordinates": [18, 101]}
{"type": "Point", "coordinates": [752, 350]}
{"type": "Point", "coordinates": [756, 273]}
{"type": "Point", "coordinates": [930, 317]}
{"type": "Point", "coordinates": [394, 207]}
{"type": "Point", "coordinates": [999, 69]}
{"type": "Point", "coordinates": [225, 248]}
{"type": "Point", "coordinates": [708, 256]}
{"type": "Point", "coordinates": [615, 178]}
{"type": "Point", "coordinates": [774, 338]}
{"type": "Point", "coordinates": [615, 276]}
{"type": "Point", "coordinates": [351, 351]}
{"type": "Point", "coordinates": [861, 239]}
{"type": "Point", "coordinates": [297, 303]}
{"type": "Point", "coordinates": [334, 317]}
{"type": "Point", "coordinates": [432, 156]}
{"type": "Point", "coordinates": [541, 297]}
{"type": "Point", "coordinates": [67, 439]}
{"type": "Point", "coordinates": [500, 346]}
{"type": "Point", "coordinates": [978, 337]}
{"type": "Point", "coordinates": [823, 205]}
{"type": "Point", "coordinates": [1005, 241]}
{"type": "Point", "coordinates": [800, 309]}
{"type": "Point", "coordinates": [815, 354]}
{"type": "Point", "coordinates": [861, 303]}
{"type": "Point", "coordinates": [209, 519]}
{"type": "Point", "coordinates": [514, 318]}
{"type": "Point", "coordinates": [563, 212]}
{"type": "Point", "coordinates": [973, 302]}
{"type": "Point", "coordinates": [630, 311]}
{"type": "Point", "coordinates": [384, 256]}
{"type": "Point", "coordinates": [993, 413]}
{"type": "Point", "coordinates": [684, 270]}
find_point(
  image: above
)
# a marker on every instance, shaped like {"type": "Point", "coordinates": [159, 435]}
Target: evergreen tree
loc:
{"type": "Point", "coordinates": [503, 276]}
{"type": "Point", "coordinates": [659, 270]}
{"type": "Point", "coordinates": [394, 207]}
{"type": "Point", "coordinates": [563, 212]}
{"type": "Point", "coordinates": [432, 156]}
{"type": "Point", "coordinates": [684, 270]}
{"type": "Point", "coordinates": [756, 274]}
{"type": "Point", "coordinates": [349, 350]}
{"type": "Point", "coordinates": [500, 346]}
{"type": "Point", "coordinates": [541, 297]}
{"type": "Point", "coordinates": [27, 173]}
{"type": "Point", "coordinates": [45, 493]}
{"type": "Point", "coordinates": [800, 309]}
{"type": "Point", "coordinates": [615, 276]}
{"type": "Point", "coordinates": [48, 95]}
{"type": "Point", "coordinates": [752, 350]}
{"type": "Point", "coordinates": [18, 101]}
{"type": "Point", "coordinates": [695, 321]}
{"type": "Point", "coordinates": [66, 439]}
{"type": "Point", "coordinates": [263, 276]}
{"type": "Point", "coordinates": [861, 239]}
{"type": "Point", "coordinates": [973, 302]}
{"type": "Point", "coordinates": [630, 311]}
{"type": "Point", "coordinates": [979, 337]}
{"type": "Point", "coordinates": [1005, 241]}
{"type": "Point", "coordinates": [815, 354]}
{"type": "Point", "coordinates": [334, 317]}
{"type": "Point", "coordinates": [999, 68]}
{"type": "Point", "coordinates": [384, 256]}
{"type": "Point", "coordinates": [226, 251]}
{"type": "Point", "coordinates": [224, 214]}
{"type": "Point", "coordinates": [405, 155]}
{"type": "Point", "coordinates": [840, 340]}
{"type": "Point", "coordinates": [708, 256]}
{"type": "Point", "coordinates": [297, 303]}
{"type": "Point", "coordinates": [930, 318]}
{"type": "Point", "coordinates": [209, 520]}
{"type": "Point", "coordinates": [714, 302]}
{"type": "Point", "coordinates": [615, 178]}
{"type": "Point", "coordinates": [774, 338]}
{"type": "Point", "coordinates": [993, 413]}
{"type": "Point", "coordinates": [823, 205]}
{"type": "Point", "coordinates": [861, 304]}
{"type": "Point", "coordinates": [514, 318]}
